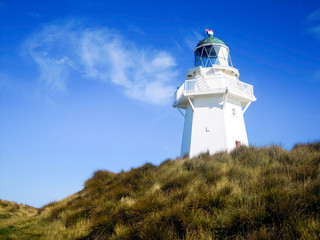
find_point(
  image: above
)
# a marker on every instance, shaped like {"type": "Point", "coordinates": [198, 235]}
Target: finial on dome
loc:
{"type": "Point", "coordinates": [209, 32]}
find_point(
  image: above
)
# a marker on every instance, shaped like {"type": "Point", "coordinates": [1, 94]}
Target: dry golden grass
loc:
{"type": "Point", "coordinates": [251, 193]}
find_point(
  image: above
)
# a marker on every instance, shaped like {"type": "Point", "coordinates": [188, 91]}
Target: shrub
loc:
{"type": "Point", "coordinates": [176, 183]}
{"type": "Point", "coordinates": [101, 229]}
{"type": "Point", "coordinates": [76, 216]}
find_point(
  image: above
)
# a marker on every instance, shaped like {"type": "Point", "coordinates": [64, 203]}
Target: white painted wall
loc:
{"type": "Point", "coordinates": [235, 126]}
{"type": "Point", "coordinates": [212, 127]}
{"type": "Point", "coordinates": [187, 132]}
{"type": "Point", "coordinates": [208, 132]}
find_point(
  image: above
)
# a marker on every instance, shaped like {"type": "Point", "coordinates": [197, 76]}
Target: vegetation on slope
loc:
{"type": "Point", "coordinates": [11, 214]}
{"type": "Point", "coordinates": [251, 193]}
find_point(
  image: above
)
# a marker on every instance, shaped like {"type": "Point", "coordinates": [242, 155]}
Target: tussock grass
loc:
{"type": "Point", "coordinates": [250, 193]}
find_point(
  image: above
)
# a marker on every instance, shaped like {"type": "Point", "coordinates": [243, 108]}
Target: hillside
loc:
{"type": "Point", "coordinates": [251, 193]}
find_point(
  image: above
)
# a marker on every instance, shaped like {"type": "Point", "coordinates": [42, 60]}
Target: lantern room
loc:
{"type": "Point", "coordinates": [212, 51]}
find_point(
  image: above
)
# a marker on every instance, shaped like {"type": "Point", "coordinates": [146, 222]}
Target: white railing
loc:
{"type": "Point", "coordinates": [179, 93]}
{"type": "Point", "coordinates": [213, 84]}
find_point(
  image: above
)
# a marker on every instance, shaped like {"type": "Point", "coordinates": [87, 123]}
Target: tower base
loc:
{"type": "Point", "coordinates": [213, 124]}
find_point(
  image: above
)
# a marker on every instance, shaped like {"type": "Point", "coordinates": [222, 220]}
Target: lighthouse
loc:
{"type": "Point", "coordinates": [212, 101]}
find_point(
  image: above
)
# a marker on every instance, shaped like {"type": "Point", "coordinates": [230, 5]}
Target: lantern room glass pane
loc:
{"type": "Point", "coordinates": [205, 61]}
{"type": "Point", "coordinates": [197, 60]}
{"type": "Point", "coordinates": [212, 53]}
{"type": "Point", "coordinates": [198, 52]}
{"type": "Point", "coordinates": [206, 56]}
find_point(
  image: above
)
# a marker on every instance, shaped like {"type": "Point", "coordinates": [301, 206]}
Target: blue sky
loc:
{"type": "Point", "coordinates": [87, 85]}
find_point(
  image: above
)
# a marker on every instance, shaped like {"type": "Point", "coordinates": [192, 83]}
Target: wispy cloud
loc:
{"type": "Point", "coordinates": [314, 16]}
{"type": "Point", "coordinates": [316, 76]}
{"type": "Point", "coordinates": [3, 6]}
{"type": "Point", "coordinates": [101, 54]}
{"type": "Point", "coordinates": [313, 20]}
{"type": "Point", "coordinates": [315, 30]}
{"type": "Point", "coordinates": [34, 15]}
{"type": "Point", "coordinates": [193, 38]}
{"type": "Point", "coordinates": [8, 85]}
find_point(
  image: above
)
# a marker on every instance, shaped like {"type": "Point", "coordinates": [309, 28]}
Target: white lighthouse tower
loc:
{"type": "Point", "coordinates": [214, 100]}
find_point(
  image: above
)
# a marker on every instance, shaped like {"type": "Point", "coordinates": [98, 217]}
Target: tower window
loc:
{"type": "Point", "coordinates": [234, 112]}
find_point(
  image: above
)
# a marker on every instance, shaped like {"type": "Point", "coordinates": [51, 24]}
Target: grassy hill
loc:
{"type": "Point", "coordinates": [251, 193]}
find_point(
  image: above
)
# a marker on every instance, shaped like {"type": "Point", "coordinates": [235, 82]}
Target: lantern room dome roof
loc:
{"type": "Point", "coordinates": [211, 40]}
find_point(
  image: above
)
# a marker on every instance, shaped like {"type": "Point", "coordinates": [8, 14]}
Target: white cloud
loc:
{"type": "Point", "coordinates": [315, 30]}
{"type": "Point", "coordinates": [193, 38]}
{"type": "Point", "coordinates": [316, 76]}
{"type": "Point", "coordinates": [314, 19]}
{"type": "Point", "coordinates": [3, 6]}
{"type": "Point", "coordinates": [314, 16]}
{"type": "Point", "coordinates": [34, 15]}
{"type": "Point", "coordinates": [105, 55]}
